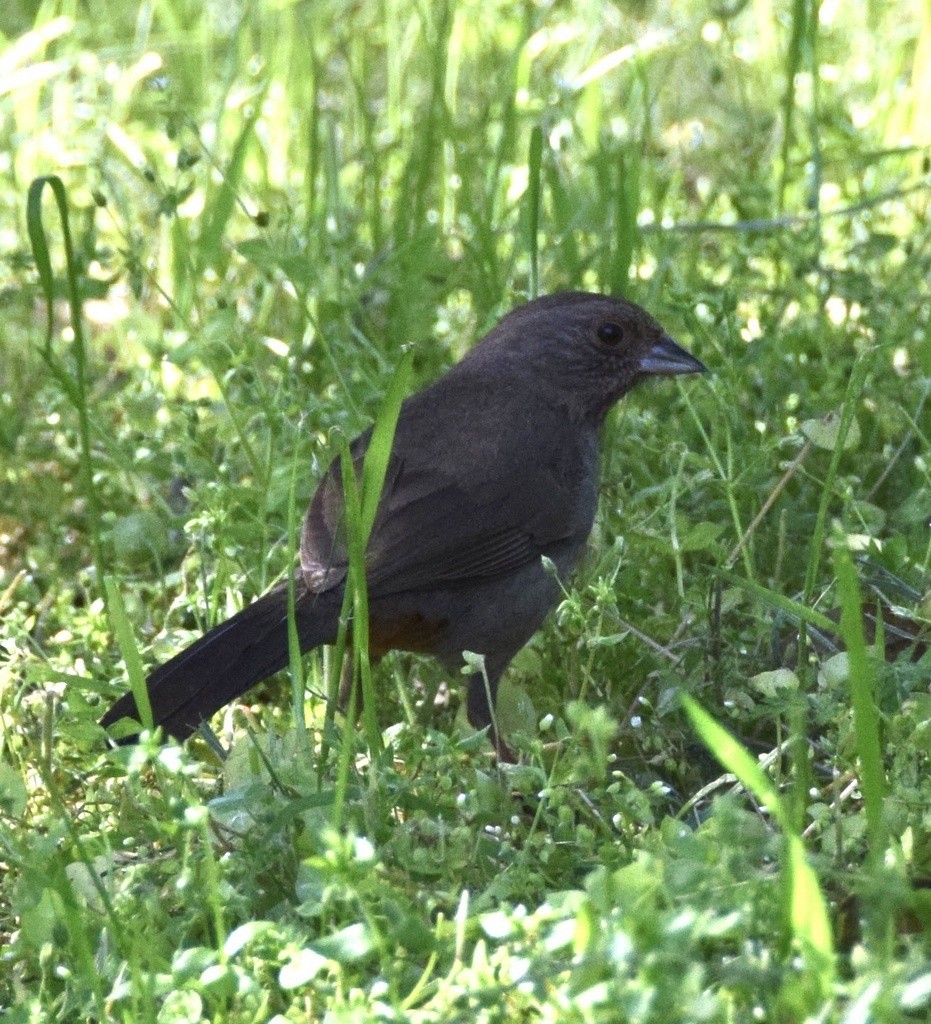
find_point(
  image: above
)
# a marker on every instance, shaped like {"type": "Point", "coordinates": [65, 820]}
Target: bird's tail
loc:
{"type": "Point", "coordinates": [230, 659]}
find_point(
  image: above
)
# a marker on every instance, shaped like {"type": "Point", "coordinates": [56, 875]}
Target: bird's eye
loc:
{"type": "Point", "coordinates": [611, 333]}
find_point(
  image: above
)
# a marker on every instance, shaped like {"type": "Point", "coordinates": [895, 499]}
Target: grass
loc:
{"type": "Point", "coordinates": [272, 209]}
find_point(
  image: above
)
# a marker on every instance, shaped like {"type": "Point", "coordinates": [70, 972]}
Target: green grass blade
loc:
{"type": "Point", "coordinates": [294, 645]}
{"type": "Point", "coordinates": [378, 454]}
{"type": "Point", "coordinates": [807, 915]}
{"type": "Point", "coordinates": [220, 206]}
{"type": "Point", "coordinates": [862, 676]}
{"type": "Point", "coordinates": [534, 161]}
{"type": "Point", "coordinates": [793, 64]}
{"type": "Point", "coordinates": [356, 601]}
{"type": "Point", "coordinates": [361, 506]}
{"type": "Point", "coordinates": [794, 609]}
{"type": "Point", "coordinates": [76, 388]}
{"type": "Point", "coordinates": [810, 920]}
{"type": "Point", "coordinates": [736, 759]}
{"type": "Point", "coordinates": [40, 252]}
{"type": "Point", "coordinates": [126, 642]}
{"type": "Point", "coordinates": [626, 209]}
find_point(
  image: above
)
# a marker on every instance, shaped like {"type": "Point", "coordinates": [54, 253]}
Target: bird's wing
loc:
{"type": "Point", "coordinates": [439, 524]}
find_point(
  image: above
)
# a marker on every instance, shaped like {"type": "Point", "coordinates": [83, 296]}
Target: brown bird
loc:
{"type": "Point", "coordinates": [493, 466]}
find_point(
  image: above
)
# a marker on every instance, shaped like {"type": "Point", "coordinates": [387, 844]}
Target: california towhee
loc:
{"type": "Point", "coordinates": [493, 466]}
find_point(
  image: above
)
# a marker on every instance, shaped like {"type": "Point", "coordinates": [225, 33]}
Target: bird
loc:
{"type": "Point", "coordinates": [490, 493]}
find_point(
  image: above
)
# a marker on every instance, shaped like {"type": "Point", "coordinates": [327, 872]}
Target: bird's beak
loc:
{"type": "Point", "coordinates": [666, 357]}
